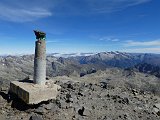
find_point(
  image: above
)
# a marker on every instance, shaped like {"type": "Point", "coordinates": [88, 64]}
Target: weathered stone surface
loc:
{"type": "Point", "coordinates": [157, 109]}
{"type": "Point", "coordinates": [35, 117]}
{"type": "Point", "coordinates": [157, 105]}
{"type": "Point", "coordinates": [32, 93]}
{"type": "Point", "coordinates": [40, 62]}
{"type": "Point", "coordinates": [2, 117]}
{"type": "Point", "coordinates": [40, 110]}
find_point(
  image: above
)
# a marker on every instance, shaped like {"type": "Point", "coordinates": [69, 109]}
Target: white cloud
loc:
{"type": "Point", "coordinates": [97, 6]}
{"type": "Point", "coordinates": [142, 46]}
{"type": "Point", "coordinates": [105, 38]}
{"type": "Point", "coordinates": [51, 41]}
{"type": "Point", "coordinates": [108, 38]}
{"type": "Point", "coordinates": [23, 11]}
{"type": "Point", "coordinates": [109, 6]}
{"type": "Point", "coordinates": [115, 40]}
{"type": "Point", "coordinates": [146, 43]}
{"type": "Point", "coordinates": [142, 50]}
{"type": "Point", "coordinates": [26, 10]}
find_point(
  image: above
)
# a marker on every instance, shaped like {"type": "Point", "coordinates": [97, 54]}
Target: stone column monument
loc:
{"type": "Point", "coordinates": [40, 58]}
{"type": "Point", "coordinates": [36, 90]}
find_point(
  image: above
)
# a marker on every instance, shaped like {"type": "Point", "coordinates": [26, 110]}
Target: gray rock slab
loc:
{"type": "Point", "coordinates": [32, 93]}
{"type": "Point", "coordinates": [157, 105]}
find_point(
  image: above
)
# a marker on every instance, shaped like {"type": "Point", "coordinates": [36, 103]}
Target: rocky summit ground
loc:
{"type": "Point", "coordinates": [113, 94]}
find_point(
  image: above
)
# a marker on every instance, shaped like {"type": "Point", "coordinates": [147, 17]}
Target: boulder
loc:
{"type": "Point", "coordinates": [35, 117]}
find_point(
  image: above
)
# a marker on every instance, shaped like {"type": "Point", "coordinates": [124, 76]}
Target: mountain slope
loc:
{"type": "Point", "coordinates": [105, 95]}
{"type": "Point", "coordinates": [148, 68]}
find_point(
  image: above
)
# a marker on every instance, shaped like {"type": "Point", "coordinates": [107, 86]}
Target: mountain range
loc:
{"type": "Point", "coordinates": [19, 67]}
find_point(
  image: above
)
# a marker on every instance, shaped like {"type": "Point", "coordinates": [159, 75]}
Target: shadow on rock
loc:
{"type": "Point", "coordinates": [18, 104]}
{"type": "Point", "coordinates": [22, 106]}
{"type": "Point", "coordinates": [5, 96]}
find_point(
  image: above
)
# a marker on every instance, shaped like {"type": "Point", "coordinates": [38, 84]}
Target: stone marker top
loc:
{"type": "Point", "coordinates": [40, 35]}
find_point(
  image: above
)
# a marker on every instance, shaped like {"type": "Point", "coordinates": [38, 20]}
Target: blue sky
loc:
{"type": "Point", "coordinates": [80, 25]}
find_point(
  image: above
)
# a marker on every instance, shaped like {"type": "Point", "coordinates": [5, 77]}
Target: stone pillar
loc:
{"type": "Point", "coordinates": [40, 58]}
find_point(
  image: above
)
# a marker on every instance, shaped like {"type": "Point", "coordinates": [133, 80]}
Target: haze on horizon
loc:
{"type": "Point", "coordinates": [80, 26]}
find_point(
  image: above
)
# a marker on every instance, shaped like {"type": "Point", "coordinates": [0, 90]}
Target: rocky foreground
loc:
{"type": "Point", "coordinates": [113, 94]}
